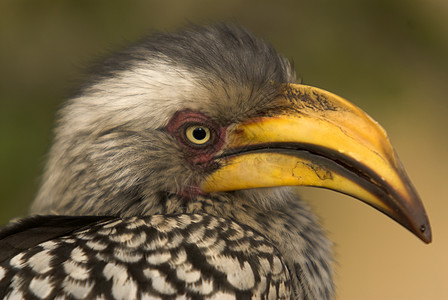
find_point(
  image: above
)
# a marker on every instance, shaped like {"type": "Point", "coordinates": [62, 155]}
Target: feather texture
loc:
{"type": "Point", "coordinates": [160, 256]}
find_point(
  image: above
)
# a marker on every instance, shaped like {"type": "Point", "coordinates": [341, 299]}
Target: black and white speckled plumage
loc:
{"type": "Point", "coordinates": [160, 256]}
{"type": "Point", "coordinates": [113, 157]}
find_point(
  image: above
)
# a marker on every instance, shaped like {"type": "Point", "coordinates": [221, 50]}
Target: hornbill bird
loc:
{"type": "Point", "coordinates": [170, 178]}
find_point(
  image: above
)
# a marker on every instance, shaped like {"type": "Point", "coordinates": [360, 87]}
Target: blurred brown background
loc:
{"type": "Point", "coordinates": [389, 57]}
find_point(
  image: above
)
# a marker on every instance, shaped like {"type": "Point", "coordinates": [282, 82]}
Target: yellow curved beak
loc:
{"type": "Point", "coordinates": [315, 138]}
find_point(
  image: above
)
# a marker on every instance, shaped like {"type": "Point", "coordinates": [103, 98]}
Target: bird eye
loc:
{"type": "Point", "coordinates": [198, 134]}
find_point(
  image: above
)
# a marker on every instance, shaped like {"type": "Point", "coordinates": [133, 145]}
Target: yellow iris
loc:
{"type": "Point", "coordinates": [197, 134]}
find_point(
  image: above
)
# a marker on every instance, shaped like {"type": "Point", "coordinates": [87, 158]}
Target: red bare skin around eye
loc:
{"type": "Point", "coordinates": [199, 156]}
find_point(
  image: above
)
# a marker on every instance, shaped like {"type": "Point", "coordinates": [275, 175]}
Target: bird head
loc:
{"type": "Point", "coordinates": [210, 111]}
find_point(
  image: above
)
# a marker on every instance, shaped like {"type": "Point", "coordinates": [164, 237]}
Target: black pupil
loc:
{"type": "Point", "coordinates": [199, 133]}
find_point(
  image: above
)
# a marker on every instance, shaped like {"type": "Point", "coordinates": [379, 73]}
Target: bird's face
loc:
{"type": "Point", "coordinates": [308, 137]}
{"type": "Point", "coordinates": [215, 111]}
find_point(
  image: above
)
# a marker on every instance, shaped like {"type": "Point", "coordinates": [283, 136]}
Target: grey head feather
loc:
{"type": "Point", "coordinates": [108, 144]}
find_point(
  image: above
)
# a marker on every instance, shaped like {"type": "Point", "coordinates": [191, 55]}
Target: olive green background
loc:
{"type": "Point", "coordinates": [388, 57]}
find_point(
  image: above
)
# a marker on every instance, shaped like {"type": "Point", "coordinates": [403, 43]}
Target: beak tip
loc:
{"type": "Point", "coordinates": [425, 233]}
